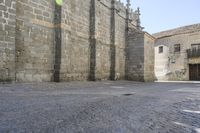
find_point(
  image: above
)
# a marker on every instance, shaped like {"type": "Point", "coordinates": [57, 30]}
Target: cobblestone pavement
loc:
{"type": "Point", "coordinates": [100, 107]}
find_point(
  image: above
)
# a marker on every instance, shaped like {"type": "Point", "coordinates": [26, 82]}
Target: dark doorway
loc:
{"type": "Point", "coordinates": [194, 71]}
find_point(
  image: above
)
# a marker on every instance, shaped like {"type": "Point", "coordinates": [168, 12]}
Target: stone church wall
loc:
{"type": "Point", "coordinates": [34, 40]}
{"type": "Point", "coordinates": [79, 40]}
{"type": "Point", "coordinates": [7, 39]}
{"type": "Point", "coordinates": [149, 74]}
{"type": "Point", "coordinates": [136, 56]}
{"type": "Point", "coordinates": [103, 39]}
{"type": "Point", "coordinates": [141, 56]}
{"type": "Point", "coordinates": [75, 23]}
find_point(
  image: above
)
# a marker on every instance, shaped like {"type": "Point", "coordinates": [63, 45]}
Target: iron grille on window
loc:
{"type": "Point", "coordinates": [194, 51]}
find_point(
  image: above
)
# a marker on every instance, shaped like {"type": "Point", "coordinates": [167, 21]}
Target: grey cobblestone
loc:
{"type": "Point", "coordinates": [100, 107]}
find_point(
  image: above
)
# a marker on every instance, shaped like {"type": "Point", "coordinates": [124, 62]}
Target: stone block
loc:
{"type": "Point", "coordinates": [3, 8]}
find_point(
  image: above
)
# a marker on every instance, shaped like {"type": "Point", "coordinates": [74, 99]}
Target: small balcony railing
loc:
{"type": "Point", "coordinates": [193, 53]}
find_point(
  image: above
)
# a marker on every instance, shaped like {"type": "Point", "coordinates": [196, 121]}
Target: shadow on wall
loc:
{"type": "Point", "coordinates": [58, 42]}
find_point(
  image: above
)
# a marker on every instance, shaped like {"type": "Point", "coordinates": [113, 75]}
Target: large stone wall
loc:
{"type": "Point", "coordinates": [7, 39]}
{"type": "Point", "coordinates": [34, 40]}
{"type": "Point", "coordinates": [120, 39]}
{"type": "Point", "coordinates": [88, 39]}
{"type": "Point", "coordinates": [103, 39]}
{"type": "Point", "coordinates": [171, 65]}
{"type": "Point", "coordinates": [149, 57]}
{"type": "Point", "coordinates": [136, 56]}
{"type": "Point", "coordinates": [141, 56]}
{"type": "Point", "coordinates": [79, 40]}
{"type": "Point", "coordinates": [75, 53]}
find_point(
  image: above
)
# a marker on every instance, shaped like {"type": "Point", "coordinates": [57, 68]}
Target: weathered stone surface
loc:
{"type": "Point", "coordinates": [75, 40]}
{"type": "Point", "coordinates": [7, 40]}
{"type": "Point", "coordinates": [79, 40]}
{"type": "Point", "coordinates": [149, 73]}
{"type": "Point", "coordinates": [136, 56]}
{"type": "Point", "coordinates": [177, 31]}
{"type": "Point", "coordinates": [171, 65]}
{"type": "Point", "coordinates": [34, 40]}
{"type": "Point", "coordinates": [140, 56]}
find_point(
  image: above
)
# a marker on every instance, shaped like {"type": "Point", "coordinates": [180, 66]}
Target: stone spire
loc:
{"type": "Point", "coordinates": [138, 19]}
{"type": "Point", "coordinates": [128, 4]}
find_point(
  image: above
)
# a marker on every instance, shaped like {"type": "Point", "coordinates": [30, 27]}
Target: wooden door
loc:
{"type": "Point", "coordinates": [194, 72]}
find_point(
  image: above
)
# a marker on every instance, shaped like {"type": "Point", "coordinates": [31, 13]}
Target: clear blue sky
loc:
{"type": "Point", "coordinates": [159, 15]}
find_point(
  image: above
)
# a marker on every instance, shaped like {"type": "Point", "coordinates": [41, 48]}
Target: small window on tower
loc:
{"type": "Point", "coordinates": [177, 48]}
{"type": "Point", "coordinates": [160, 49]}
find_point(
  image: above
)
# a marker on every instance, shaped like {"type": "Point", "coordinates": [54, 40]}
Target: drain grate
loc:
{"type": "Point", "coordinates": [128, 94]}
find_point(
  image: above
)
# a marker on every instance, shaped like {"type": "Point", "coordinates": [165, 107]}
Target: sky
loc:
{"type": "Point", "coordinates": [160, 15]}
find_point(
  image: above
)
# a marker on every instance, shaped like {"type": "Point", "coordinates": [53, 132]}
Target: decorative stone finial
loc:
{"type": "Point", "coordinates": [128, 4]}
{"type": "Point", "coordinates": [138, 10]}
{"type": "Point", "coordinates": [138, 18]}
